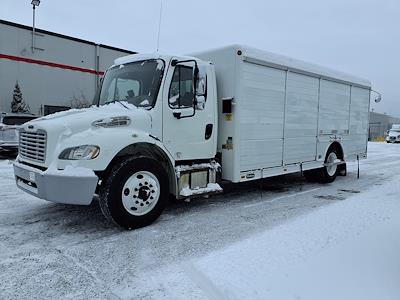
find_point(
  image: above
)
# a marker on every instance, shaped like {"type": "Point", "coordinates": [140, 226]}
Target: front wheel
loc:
{"type": "Point", "coordinates": [135, 193]}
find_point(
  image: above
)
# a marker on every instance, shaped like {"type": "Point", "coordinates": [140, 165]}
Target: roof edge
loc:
{"type": "Point", "coordinates": [26, 27]}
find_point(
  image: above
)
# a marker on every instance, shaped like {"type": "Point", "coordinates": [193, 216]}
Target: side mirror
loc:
{"type": "Point", "coordinates": [378, 99]}
{"type": "Point", "coordinates": [200, 102]}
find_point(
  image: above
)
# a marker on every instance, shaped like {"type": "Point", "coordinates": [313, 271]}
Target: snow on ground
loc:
{"type": "Point", "coordinates": [281, 239]}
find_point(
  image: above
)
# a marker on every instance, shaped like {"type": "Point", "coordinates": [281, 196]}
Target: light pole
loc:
{"type": "Point", "coordinates": [34, 4]}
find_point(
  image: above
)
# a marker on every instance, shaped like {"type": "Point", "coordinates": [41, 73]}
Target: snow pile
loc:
{"type": "Point", "coordinates": [110, 107]}
{"type": "Point", "coordinates": [210, 188]}
{"type": "Point", "coordinates": [213, 165]}
{"type": "Point", "coordinates": [70, 171]}
{"type": "Point", "coordinates": [348, 250]}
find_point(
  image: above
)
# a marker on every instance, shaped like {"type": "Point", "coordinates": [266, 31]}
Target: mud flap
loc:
{"type": "Point", "coordinates": [342, 170]}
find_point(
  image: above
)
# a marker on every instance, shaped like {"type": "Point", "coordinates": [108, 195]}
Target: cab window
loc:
{"type": "Point", "coordinates": [181, 89]}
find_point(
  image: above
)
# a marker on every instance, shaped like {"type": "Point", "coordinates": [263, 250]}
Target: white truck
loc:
{"type": "Point", "coordinates": [393, 135]}
{"type": "Point", "coordinates": [177, 126]}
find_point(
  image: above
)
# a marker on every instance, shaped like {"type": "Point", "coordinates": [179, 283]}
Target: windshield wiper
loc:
{"type": "Point", "coordinates": [116, 100]}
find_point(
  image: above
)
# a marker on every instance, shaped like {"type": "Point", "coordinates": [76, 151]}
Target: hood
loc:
{"type": "Point", "coordinates": [77, 120]}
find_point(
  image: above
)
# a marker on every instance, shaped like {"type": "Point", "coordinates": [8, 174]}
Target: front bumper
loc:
{"type": "Point", "coordinates": [392, 140]}
{"type": "Point", "coordinates": [57, 186]}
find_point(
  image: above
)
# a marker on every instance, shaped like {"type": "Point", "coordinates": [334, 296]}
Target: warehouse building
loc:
{"type": "Point", "coordinates": [54, 71]}
{"type": "Point", "coordinates": [379, 124]}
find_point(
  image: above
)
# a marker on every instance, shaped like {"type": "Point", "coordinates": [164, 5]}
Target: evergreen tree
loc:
{"type": "Point", "coordinates": [18, 105]}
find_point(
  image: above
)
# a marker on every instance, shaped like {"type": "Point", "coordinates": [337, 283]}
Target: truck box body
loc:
{"type": "Point", "coordinates": [285, 113]}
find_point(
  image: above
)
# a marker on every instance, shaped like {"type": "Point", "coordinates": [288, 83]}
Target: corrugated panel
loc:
{"type": "Point", "coordinates": [301, 119]}
{"type": "Point", "coordinates": [358, 120]}
{"type": "Point", "coordinates": [334, 108]}
{"type": "Point", "coordinates": [359, 111]}
{"type": "Point", "coordinates": [257, 154]}
{"type": "Point", "coordinates": [261, 116]}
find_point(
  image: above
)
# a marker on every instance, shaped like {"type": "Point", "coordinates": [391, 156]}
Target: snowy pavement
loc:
{"type": "Point", "coordinates": [282, 239]}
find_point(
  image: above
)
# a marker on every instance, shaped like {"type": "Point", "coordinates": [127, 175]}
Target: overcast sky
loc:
{"type": "Point", "coordinates": [361, 37]}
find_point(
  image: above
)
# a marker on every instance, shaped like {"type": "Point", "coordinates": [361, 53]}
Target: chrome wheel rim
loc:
{"type": "Point", "coordinates": [140, 193]}
{"type": "Point", "coordinates": [331, 169]}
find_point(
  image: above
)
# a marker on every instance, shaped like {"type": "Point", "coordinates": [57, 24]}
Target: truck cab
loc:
{"type": "Point", "coordinates": [151, 133]}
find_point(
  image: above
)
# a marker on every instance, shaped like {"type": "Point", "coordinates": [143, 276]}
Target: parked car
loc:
{"type": "Point", "coordinates": [393, 135]}
{"type": "Point", "coordinates": [9, 124]}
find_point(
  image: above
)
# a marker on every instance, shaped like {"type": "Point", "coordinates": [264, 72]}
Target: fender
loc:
{"type": "Point", "coordinates": [111, 142]}
{"type": "Point", "coordinates": [334, 144]}
{"type": "Point", "coordinates": [150, 146]}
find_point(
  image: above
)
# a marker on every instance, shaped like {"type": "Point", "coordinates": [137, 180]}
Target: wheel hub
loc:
{"type": "Point", "coordinates": [140, 193]}
{"type": "Point", "coordinates": [144, 193]}
{"type": "Point", "coordinates": [331, 160]}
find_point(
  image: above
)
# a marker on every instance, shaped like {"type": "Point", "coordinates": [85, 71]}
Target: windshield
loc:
{"type": "Point", "coordinates": [137, 83]}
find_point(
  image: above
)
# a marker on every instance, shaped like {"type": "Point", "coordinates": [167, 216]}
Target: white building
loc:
{"type": "Point", "coordinates": [58, 72]}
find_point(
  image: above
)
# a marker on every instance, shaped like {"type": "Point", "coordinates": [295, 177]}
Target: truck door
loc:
{"type": "Point", "coordinates": [189, 131]}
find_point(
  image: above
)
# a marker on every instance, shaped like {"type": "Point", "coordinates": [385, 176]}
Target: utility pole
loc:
{"type": "Point", "coordinates": [34, 4]}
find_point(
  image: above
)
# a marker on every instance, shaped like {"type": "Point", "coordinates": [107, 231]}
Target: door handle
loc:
{"type": "Point", "coordinates": [208, 133]}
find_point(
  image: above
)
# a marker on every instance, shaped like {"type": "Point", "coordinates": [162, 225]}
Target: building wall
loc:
{"type": "Point", "coordinates": [61, 70]}
{"type": "Point", "coordinates": [379, 124]}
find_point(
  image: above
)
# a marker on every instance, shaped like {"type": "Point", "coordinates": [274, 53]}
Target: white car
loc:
{"type": "Point", "coordinates": [9, 124]}
{"type": "Point", "coordinates": [393, 135]}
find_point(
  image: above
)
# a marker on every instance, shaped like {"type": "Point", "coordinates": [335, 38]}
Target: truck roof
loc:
{"type": "Point", "coordinates": [288, 63]}
{"type": "Point", "coordinates": [138, 57]}
{"type": "Point", "coordinates": [262, 57]}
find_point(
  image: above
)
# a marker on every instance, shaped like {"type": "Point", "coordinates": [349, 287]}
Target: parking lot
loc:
{"type": "Point", "coordinates": [59, 251]}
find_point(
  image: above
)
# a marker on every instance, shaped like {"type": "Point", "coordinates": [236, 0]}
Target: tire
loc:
{"type": "Point", "coordinates": [329, 174]}
{"type": "Point", "coordinates": [135, 193]}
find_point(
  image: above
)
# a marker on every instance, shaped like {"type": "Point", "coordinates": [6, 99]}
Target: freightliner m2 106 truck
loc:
{"type": "Point", "coordinates": [177, 126]}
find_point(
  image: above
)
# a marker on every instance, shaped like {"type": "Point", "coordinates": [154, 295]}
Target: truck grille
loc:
{"type": "Point", "coordinates": [32, 145]}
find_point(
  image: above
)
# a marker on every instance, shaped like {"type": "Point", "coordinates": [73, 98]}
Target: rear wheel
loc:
{"type": "Point", "coordinates": [329, 173]}
{"type": "Point", "coordinates": [326, 174]}
{"type": "Point", "coordinates": [135, 193]}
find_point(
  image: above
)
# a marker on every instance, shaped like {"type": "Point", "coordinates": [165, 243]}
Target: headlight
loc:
{"type": "Point", "coordinates": [81, 152]}
{"type": "Point", "coordinates": [112, 122]}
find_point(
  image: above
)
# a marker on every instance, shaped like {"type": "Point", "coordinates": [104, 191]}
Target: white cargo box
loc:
{"type": "Point", "coordinates": [279, 115]}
